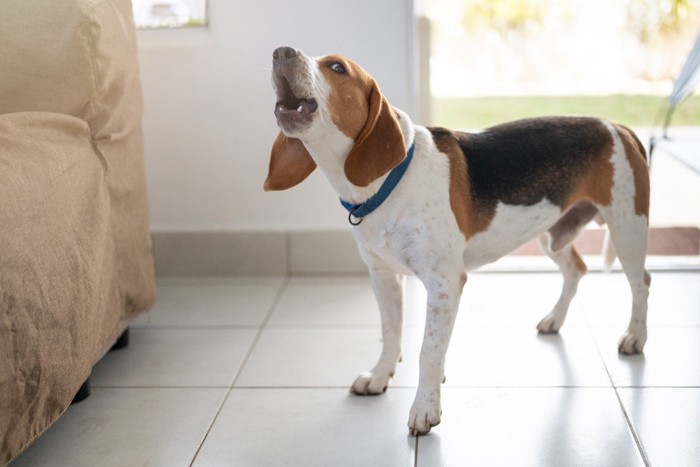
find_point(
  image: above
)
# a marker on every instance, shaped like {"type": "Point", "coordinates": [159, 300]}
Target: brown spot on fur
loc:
{"type": "Point", "coordinates": [362, 113]}
{"type": "Point", "coordinates": [471, 218]}
{"type": "Point", "coordinates": [578, 261]}
{"type": "Point", "coordinates": [463, 279]}
{"type": "Point", "coordinates": [636, 155]}
{"type": "Point", "coordinates": [595, 185]}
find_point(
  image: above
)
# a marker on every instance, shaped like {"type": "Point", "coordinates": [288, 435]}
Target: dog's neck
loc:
{"type": "Point", "coordinates": [329, 148]}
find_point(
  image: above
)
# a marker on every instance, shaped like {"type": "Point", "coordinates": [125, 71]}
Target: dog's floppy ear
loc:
{"type": "Point", "coordinates": [379, 147]}
{"type": "Point", "coordinates": [290, 163]}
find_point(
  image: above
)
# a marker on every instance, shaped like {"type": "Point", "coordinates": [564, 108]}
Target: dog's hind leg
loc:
{"type": "Point", "coordinates": [630, 238]}
{"type": "Point", "coordinates": [627, 217]}
{"type": "Point", "coordinates": [557, 243]}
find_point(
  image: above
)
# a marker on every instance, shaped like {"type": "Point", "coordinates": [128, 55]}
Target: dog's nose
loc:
{"type": "Point", "coordinates": [284, 54]}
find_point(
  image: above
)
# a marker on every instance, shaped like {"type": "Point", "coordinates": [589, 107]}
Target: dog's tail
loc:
{"type": "Point", "coordinates": [609, 253]}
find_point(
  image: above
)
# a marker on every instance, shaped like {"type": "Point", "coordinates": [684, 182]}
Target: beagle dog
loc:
{"type": "Point", "coordinates": [436, 203]}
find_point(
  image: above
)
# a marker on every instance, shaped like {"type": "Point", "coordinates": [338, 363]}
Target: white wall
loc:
{"type": "Point", "coordinates": [209, 120]}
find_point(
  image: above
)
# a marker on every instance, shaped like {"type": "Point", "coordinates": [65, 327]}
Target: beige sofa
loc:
{"type": "Point", "coordinates": [75, 250]}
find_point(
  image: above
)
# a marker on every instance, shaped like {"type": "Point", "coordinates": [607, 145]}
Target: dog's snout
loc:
{"type": "Point", "coordinates": [284, 54]}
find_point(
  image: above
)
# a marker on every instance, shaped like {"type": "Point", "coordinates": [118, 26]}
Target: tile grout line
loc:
{"type": "Point", "coordinates": [628, 420]}
{"type": "Point", "coordinates": [635, 436]}
{"type": "Point", "coordinates": [461, 386]}
{"type": "Point", "coordinates": [263, 325]}
{"type": "Point", "coordinates": [415, 453]}
{"type": "Point", "coordinates": [404, 386]}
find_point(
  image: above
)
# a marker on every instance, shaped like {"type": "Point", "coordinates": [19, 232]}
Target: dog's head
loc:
{"type": "Point", "coordinates": [330, 94]}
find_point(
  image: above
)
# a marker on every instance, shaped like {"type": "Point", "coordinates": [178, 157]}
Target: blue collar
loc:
{"type": "Point", "coordinates": [359, 211]}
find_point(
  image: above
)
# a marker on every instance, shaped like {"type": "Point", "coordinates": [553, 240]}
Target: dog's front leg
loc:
{"type": "Point", "coordinates": [444, 293]}
{"type": "Point", "coordinates": [388, 288]}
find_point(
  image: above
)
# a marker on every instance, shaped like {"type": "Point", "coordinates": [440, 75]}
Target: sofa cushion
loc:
{"type": "Point", "coordinates": [68, 57]}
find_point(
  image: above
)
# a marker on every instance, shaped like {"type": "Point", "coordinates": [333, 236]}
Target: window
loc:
{"type": "Point", "coordinates": [170, 13]}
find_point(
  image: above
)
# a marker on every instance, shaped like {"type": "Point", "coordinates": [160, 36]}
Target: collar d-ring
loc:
{"type": "Point", "coordinates": [350, 216]}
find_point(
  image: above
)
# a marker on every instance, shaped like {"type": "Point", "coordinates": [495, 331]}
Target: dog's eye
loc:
{"type": "Point", "coordinates": [338, 68]}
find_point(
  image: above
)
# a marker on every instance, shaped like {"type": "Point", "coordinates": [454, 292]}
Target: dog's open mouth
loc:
{"type": "Point", "coordinates": [291, 107]}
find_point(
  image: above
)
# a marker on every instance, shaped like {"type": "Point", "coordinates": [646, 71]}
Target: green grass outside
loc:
{"type": "Point", "coordinates": [631, 110]}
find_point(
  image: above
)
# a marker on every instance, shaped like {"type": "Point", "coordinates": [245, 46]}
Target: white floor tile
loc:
{"type": "Point", "coordinates": [175, 357]}
{"type": "Point", "coordinates": [310, 427]}
{"type": "Point", "coordinates": [128, 427]}
{"type": "Point", "coordinates": [141, 321]}
{"type": "Point", "coordinates": [530, 427]}
{"type": "Point", "coordinates": [515, 356]}
{"type": "Point", "coordinates": [497, 300]}
{"type": "Point", "coordinates": [667, 423]}
{"type": "Point", "coordinates": [341, 301]}
{"type": "Point", "coordinates": [674, 299]}
{"type": "Point", "coordinates": [478, 356]}
{"type": "Point", "coordinates": [604, 299]}
{"type": "Point", "coordinates": [317, 357]}
{"type": "Point", "coordinates": [670, 358]}
{"type": "Point", "coordinates": [512, 299]}
{"type": "Point", "coordinates": [213, 302]}
{"type": "Point", "coordinates": [351, 302]}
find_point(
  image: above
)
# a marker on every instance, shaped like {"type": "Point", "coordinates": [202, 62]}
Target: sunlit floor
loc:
{"type": "Point", "coordinates": [255, 372]}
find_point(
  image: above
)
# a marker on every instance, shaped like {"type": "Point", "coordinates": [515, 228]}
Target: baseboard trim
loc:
{"type": "Point", "coordinates": [256, 253]}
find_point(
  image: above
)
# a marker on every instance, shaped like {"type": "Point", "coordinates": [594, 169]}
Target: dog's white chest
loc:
{"type": "Point", "coordinates": [385, 249]}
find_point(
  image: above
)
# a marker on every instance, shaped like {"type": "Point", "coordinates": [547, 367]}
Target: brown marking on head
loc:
{"type": "Point", "coordinates": [636, 155]}
{"type": "Point", "coordinates": [362, 113]}
{"type": "Point", "coordinates": [290, 163]}
{"type": "Point", "coordinates": [472, 216]}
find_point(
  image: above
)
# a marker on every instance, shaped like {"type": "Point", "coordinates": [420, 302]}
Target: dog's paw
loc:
{"type": "Point", "coordinates": [369, 383]}
{"type": "Point", "coordinates": [423, 417]}
{"type": "Point", "coordinates": [550, 324]}
{"type": "Point", "coordinates": [632, 343]}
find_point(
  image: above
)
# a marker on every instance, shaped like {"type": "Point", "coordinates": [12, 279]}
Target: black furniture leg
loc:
{"type": "Point", "coordinates": [83, 393]}
{"type": "Point", "coordinates": [122, 341]}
